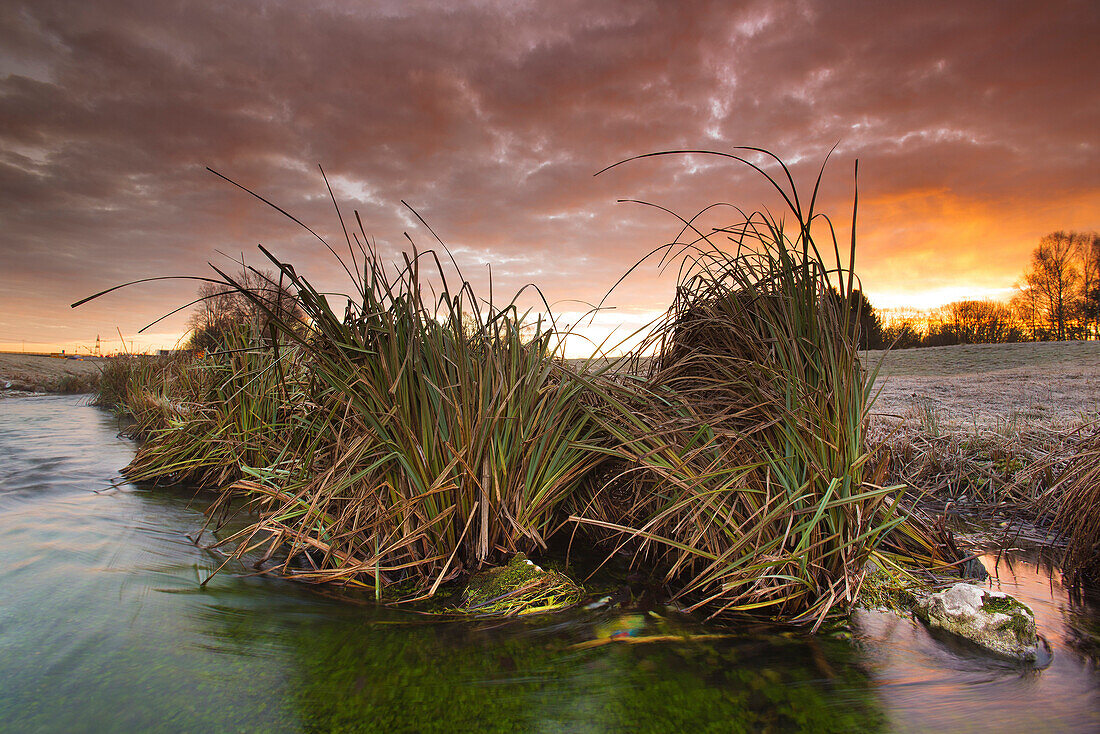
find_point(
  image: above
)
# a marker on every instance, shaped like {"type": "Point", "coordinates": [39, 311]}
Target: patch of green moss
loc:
{"type": "Point", "coordinates": [500, 580]}
{"type": "Point", "coordinates": [881, 590]}
{"type": "Point", "coordinates": [1003, 605]}
{"type": "Point", "coordinates": [400, 589]}
{"type": "Point", "coordinates": [1008, 465]}
{"type": "Point", "coordinates": [458, 676]}
{"type": "Point", "coordinates": [520, 587]}
{"type": "Point", "coordinates": [1021, 619]}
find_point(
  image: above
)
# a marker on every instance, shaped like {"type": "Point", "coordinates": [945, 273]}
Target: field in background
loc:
{"type": "Point", "coordinates": [41, 373]}
{"type": "Point", "coordinates": [992, 386]}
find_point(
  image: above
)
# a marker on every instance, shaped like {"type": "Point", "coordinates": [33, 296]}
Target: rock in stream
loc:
{"type": "Point", "coordinates": [991, 619]}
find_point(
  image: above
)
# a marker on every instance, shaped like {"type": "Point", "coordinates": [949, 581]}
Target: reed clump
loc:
{"type": "Point", "coordinates": [417, 432]}
{"type": "Point", "coordinates": [238, 408]}
{"type": "Point", "coordinates": [1078, 515]}
{"type": "Point", "coordinates": [146, 390]}
{"type": "Point", "coordinates": [446, 433]}
{"type": "Point", "coordinates": [740, 446]}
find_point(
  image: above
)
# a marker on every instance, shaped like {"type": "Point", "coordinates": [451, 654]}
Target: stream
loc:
{"type": "Point", "coordinates": [104, 627]}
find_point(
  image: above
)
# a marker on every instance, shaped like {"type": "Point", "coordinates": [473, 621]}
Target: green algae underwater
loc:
{"type": "Point", "coordinates": [523, 678]}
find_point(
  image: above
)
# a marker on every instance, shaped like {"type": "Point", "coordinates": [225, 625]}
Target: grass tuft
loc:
{"type": "Point", "coordinates": [417, 431]}
{"type": "Point", "coordinates": [740, 448]}
{"type": "Point", "coordinates": [1078, 515]}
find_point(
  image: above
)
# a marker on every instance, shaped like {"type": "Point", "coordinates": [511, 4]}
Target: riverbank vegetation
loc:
{"type": "Point", "coordinates": [419, 431]}
{"type": "Point", "coordinates": [1077, 515]}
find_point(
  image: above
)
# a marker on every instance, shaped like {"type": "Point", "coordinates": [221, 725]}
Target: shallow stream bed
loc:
{"type": "Point", "coordinates": [104, 627]}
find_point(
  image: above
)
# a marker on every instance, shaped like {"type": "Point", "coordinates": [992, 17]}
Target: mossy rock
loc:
{"type": "Point", "coordinates": [990, 619]}
{"type": "Point", "coordinates": [518, 588]}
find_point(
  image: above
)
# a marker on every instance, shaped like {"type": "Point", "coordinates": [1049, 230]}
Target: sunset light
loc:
{"type": "Point", "coordinates": [508, 366]}
{"type": "Point", "coordinates": [975, 131]}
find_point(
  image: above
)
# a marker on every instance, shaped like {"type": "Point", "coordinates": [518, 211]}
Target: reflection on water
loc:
{"type": "Point", "coordinates": [103, 627]}
{"type": "Point", "coordinates": [931, 684]}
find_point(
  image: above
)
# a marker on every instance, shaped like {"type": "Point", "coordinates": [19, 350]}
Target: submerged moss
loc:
{"type": "Point", "coordinates": [509, 677]}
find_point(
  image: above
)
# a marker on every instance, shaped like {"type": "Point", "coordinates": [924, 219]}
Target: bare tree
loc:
{"type": "Point", "coordinates": [1088, 257]}
{"type": "Point", "coordinates": [981, 322]}
{"type": "Point", "coordinates": [1055, 279]}
{"type": "Point", "coordinates": [938, 331]}
{"type": "Point", "coordinates": [259, 299]}
{"type": "Point", "coordinates": [902, 333]}
{"type": "Point", "coordinates": [1026, 308]}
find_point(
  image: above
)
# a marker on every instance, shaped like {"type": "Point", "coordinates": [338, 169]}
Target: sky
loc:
{"type": "Point", "coordinates": [975, 125]}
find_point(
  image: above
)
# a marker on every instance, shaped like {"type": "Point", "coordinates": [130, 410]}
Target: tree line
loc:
{"type": "Point", "coordinates": [1057, 298]}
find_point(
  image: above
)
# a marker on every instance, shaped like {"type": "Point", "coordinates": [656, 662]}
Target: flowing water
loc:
{"type": "Point", "coordinates": [105, 628]}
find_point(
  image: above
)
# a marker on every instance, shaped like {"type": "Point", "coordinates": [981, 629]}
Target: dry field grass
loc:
{"type": "Point", "coordinates": [23, 373]}
{"type": "Point", "coordinates": [1006, 387]}
{"type": "Point", "coordinates": [986, 424]}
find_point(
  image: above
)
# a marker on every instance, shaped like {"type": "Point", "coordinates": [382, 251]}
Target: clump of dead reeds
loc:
{"type": "Point", "coordinates": [1078, 515]}
{"type": "Point", "coordinates": [740, 449]}
{"type": "Point", "coordinates": [420, 432]}
{"type": "Point", "coordinates": [445, 431]}
{"type": "Point", "coordinates": [417, 431]}
{"type": "Point", "coordinates": [237, 409]}
{"type": "Point", "coordinates": [145, 389]}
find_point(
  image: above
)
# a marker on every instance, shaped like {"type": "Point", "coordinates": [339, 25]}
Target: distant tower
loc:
{"type": "Point", "coordinates": [97, 352]}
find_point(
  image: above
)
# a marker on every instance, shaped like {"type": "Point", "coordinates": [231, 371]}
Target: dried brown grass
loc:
{"type": "Point", "coordinates": [1078, 515]}
{"type": "Point", "coordinates": [1006, 470]}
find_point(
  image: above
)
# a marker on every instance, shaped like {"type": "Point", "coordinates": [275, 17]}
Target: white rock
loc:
{"type": "Point", "coordinates": [963, 600]}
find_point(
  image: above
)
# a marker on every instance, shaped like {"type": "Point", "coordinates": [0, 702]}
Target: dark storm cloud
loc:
{"type": "Point", "coordinates": [975, 124]}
